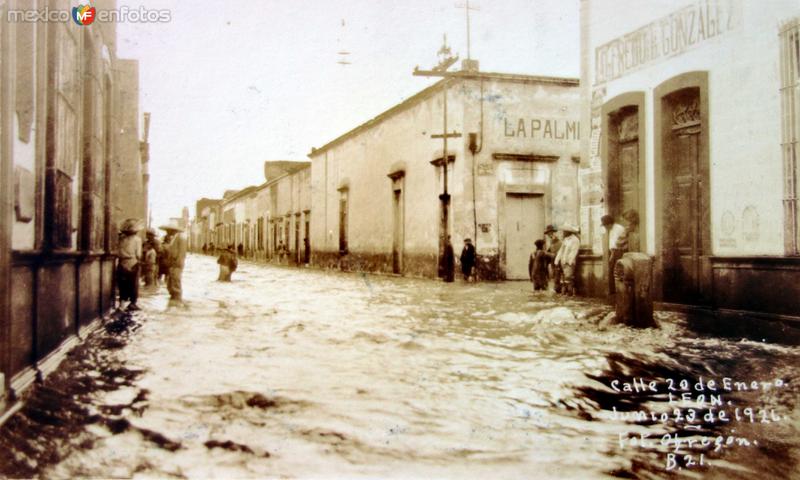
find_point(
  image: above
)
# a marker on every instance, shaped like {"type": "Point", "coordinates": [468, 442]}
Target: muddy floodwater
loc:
{"type": "Point", "coordinates": [298, 373]}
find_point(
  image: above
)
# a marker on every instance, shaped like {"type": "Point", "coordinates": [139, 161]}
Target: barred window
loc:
{"type": "Point", "coordinates": [63, 128]}
{"type": "Point", "coordinates": [790, 106]}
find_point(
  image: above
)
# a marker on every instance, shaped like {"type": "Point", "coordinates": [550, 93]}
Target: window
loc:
{"type": "Point", "coordinates": [790, 126]}
{"type": "Point", "coordinates": [25, 79]}
{"type": "Point", "coordinates": [91, 233]}
{"type": "Point", "coordinates": [63, 128]}
{"type": "Point", "coordinates": [343, 193]}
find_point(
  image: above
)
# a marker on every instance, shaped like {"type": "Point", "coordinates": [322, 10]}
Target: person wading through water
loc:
{"type": "Point", "coordinates": [130, 256]}
{"type": "Point", "coordinates": [176, 256]}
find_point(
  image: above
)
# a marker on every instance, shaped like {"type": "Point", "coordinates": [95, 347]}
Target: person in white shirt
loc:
{"type": "Point", "coordinates": [129, 254]}
{"type": "Point", "coordinates": [567, 258]}
{"type": "Point", "coordinates": [617, 245]}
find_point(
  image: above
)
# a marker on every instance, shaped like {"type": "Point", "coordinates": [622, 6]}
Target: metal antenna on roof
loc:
{"type": "Point", "coordinates": [466, 6]}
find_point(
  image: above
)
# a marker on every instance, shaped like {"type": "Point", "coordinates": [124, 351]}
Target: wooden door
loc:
{"type": "Point", "coordinates": [297, 238]}
{"type": "Point", "coordinates": [623, 162]}
{"type": "Point", "coordinates": [398, 234]}
{"type": "Point", "coordinates": [686, 229]}
{"type": "Point", "coordinates": [307, 241]}
{"type": "Point", "coordinates": [524, 225]}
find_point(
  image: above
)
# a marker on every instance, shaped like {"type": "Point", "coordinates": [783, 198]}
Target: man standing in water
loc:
{"type": "Point", "coordinates": [130, 256]}
{"type": "Point", "coordinates": [467, 259]}
{"type": "Point", "coordinates": [617, 245]}
{"type": "Point", "coordinates": [448, 261]}
{"type": "Point", "coordinates": [176, 255]}
{"type": "Point", "coordinates": [567, 258]}
{"type": "Point", "coordinates": [551, 253]}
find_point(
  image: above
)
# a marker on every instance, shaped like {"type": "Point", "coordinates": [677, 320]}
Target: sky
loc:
{"type": "Point", "coordinates": [234, 83]}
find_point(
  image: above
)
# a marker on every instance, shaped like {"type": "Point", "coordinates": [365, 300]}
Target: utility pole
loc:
{"type": "Point", "coordinates": [467, 8]}
{"type": "Point", "coordinates": [446, 60]}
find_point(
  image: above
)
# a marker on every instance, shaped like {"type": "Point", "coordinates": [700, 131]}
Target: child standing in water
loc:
{"type": "Point", "coordinates": [537, 267]}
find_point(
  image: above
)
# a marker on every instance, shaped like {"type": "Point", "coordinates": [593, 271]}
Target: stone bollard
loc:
{"type": "Point", "coordinates": [633, 276]}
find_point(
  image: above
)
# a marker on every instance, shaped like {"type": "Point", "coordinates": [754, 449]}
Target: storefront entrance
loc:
{"type": "Point", "coordinates": [524, 225]}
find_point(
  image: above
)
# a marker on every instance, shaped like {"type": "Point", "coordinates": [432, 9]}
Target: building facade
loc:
{"type": "Point", "coordinates": [512, 168]}
{"type": "Point", "coordinates": [693, 113]}
{"type": "Point", "coordinates": [60, 110]}
{"type": "Point", "coordinates": [203, 227]}
{"type": "Point", "coordinates": [270, 221]}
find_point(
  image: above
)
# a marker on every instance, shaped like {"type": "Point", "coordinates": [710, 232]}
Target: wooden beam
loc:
{"type": "Point", "coordinates": [522, 157]}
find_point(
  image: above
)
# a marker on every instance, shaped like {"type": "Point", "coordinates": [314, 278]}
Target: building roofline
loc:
{"type": "Point", "coordinates": [241, 193]}
{"type": "Point", "coordinates": [256, 188]}
{"type": "Point", "coordinates": [428, 91]}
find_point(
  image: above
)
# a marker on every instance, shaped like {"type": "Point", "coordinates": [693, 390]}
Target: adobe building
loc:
{"type": "Point", "coordinates": [61, 108]}
{"type": "Point", "coordinates": [694, 117]}
{"type": "Point", "coordinates": [288, 222]}
{"type": "Point", "coordinates": [269, 216]}
{"type": "Point", "coordinates": [203, 230]}
{"type": "Point", "coordinates": [233, 209]}
{"type": "Point", "coordinates": [513, 158]}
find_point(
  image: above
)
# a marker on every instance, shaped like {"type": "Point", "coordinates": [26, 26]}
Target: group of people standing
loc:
{"type": "Point", "coordinates": [467, 258]}
{"type": "Point", "coordinates": [153, 262]}
{"type": "Point", "coordinates": [557, 262]}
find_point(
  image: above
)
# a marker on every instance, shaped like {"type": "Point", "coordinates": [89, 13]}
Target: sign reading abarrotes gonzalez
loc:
{"type": "Point", "coordinates": [666, 37]}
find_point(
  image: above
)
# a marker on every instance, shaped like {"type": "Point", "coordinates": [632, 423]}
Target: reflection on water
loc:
{"type": "Point", "coordinates": [293, 373]}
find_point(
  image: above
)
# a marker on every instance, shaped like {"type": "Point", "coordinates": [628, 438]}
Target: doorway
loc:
{"type": "Point", "coordinates": [685, 198]}
{"type": "Point", "coordinates": [398, 229]}
{"type": "Point", "coordinates": [524, 224]}
{"type": "Point", "coordinates": [307, 238]}
{"type": "Point", "coordinates": [297, 239]}
{"type": "Point", "coordinates": [623, 161]}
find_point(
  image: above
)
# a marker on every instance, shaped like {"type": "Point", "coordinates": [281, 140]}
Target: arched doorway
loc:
{"type": "Point", "coordinates": [682, 181]}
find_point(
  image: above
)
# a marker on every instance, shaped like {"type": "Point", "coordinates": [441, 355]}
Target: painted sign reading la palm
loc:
{"type": "Point", "coordinates": [84, 14]}
{"type": "Point", "coordinates": [551, 128]}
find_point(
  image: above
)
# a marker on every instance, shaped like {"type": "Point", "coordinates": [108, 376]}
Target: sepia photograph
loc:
{"type": "Point", "coordinates": [429, 239]}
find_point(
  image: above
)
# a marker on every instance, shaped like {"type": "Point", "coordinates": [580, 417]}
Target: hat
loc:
{"type": "Point", "coordinates": [172, 226]}
{"type": "Point", "coordinates": [550, 229]}
{"type": "Point", "coordinates": [131, 225]}
{"type": "Point", "coordinates": [631, 216]}
{"type": "Point", "coordinates": [607, 220]}
{"type": "Point", "coordinates": [571, 229]}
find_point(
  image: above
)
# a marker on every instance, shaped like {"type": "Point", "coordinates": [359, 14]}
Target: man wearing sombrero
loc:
{"type": "Point", "coordinates": [551, 253]}
{"type": "Point", "coordinates": [176, 255]}
{"type": "Point", "coordinates": [567, 257]}
{"type": "Point", "coordinates": [130, 256]}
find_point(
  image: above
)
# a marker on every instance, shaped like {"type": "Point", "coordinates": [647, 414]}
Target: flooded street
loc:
{"type": "Point", "coordinates": [308, 374]}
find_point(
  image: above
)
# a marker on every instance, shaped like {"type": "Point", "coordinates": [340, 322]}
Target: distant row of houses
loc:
{"type": "Point", "coordinates": [687, 115]}
{"type": "Point", "coordinates": [73, 166]}
{"type": "Point", "coordinates": [369, 200]}
{"type": "Point", "coordinates": [268, 221]}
